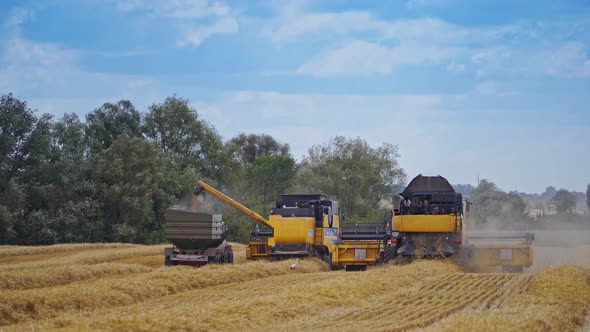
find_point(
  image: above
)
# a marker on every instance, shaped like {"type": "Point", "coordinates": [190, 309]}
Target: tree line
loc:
{"type": "Point", "coordinates": [493, 207]}
{"type": "Point", "coordinates": [111, 176]}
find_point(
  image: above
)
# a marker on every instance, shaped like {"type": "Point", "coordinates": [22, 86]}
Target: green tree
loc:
{"type": "Point", "coordinates": [563, 202]}
{"type": "Point", "coordinates": [74, 198]}
{"type": "Point", "coordinates": [60, 203]}
{"type": "Point", "coordinates": [17, 125]}
{"type": "Point", "coordinates": [261, 170]}
{"type": "Point", "coordinates": [486, 201]}
{"type": "Point", "coordinates": [17, 122]}
{"type": "Point", "coordinates": [36, 174]}
{"type": "Point", "coordinates": [492, 205]}
{"type": "Point", "coordinates": [69, 137]}
{"type": "Point", "coordinates": [548, 193]}
{"type": "Point", "coordinates": [109, 121]}
{"type": "Point", "coordinates": [514, 205]}
{"type": "Point", "coordinates": [354, 173]}
{"type": "Point", "coordinates": [270, 176]}
{"type": "Point", "coordinates": [129, 175]}
{"type": "Point", "coordinates": [185, 138]}
{"type": "Point", "coordinates": [252, 146]}
{"type": "Point", "coordinates": [12, 209]}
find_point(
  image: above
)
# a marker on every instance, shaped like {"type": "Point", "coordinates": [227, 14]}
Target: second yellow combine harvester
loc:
{"type": "Point", "coordinates": [431, 222]}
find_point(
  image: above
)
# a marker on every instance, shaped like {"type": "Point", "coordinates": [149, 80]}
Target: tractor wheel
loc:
{"type": "Point", "coordinates": [351, 268]}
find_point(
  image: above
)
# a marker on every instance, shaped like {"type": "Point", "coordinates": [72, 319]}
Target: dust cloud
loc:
{"type": "Point", "coordinates": [558, 240]}
{"type": "Point", "coordinates": [561, 242]}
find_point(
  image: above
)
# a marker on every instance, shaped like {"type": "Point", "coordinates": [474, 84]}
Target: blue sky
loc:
{"type": "Point", "coordinates": [495, 88]}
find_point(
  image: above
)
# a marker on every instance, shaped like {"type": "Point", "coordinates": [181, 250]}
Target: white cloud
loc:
{"type": "Point", "coordinates": [434, 137]}
{"type": "Point", "coordinates": [569, 60]}
{"type": "Point", "coordinates": [375, 46]}
{"type": "Point", "coordinates": [456, 67]}
{"type": "Point", "coordinates": [177, 9]}
{"type": "Point", "coordinates": [51, 79]}
{"type": "Point", "coordinates": [23, 52]}
{"type": "Point", "coordinates": [357, 42]}
{"type": "Point", "coordinates": [195, 20]}
{"type": "Point", "coordinates": [363, 58]}
{"type": "Point", "coordinates": [357, 57]}
{"type": "Point", "coordinates": [412, 4]}
{"type": "Point", "coordinates": [489, 88]}
{"type": "Point", "coordinates": [566, 60]}
{"type": "Point", "coordinates": [292, 26]}
{"type": "Point", "coordinates": [19, 16]}
{"type": "Point", "coordinates": [194, 35]}
{"type": "Point", "coordinates": [306, 119]}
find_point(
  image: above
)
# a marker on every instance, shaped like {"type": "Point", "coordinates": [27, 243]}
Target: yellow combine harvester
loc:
{"type": "Point", "coordinates": [430, 222]}
{"type": "Point", "coordinates": [309, 225]}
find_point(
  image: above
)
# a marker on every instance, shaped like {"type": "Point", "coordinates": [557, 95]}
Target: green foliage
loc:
{"type": "Point", "coordinates": [112, 177]}
{"type": "Point", "coordinates": [257, 170]}
{"type": "Point", "coordinates": [262, 183]}
{"type": "Point", "coordinates": [268, 177]}
{"type": "Point", "coordinates": [251, 147]}
{"type": "Point", "coordinates": [69, 137]}
{"type": "Point", "coordinates": [239, 225]}
{"type": "Point", "coordinates": [490, 205]}
{"type": "Point", "coordinates": [184, 138]}
{"type": "Point", "coordinates": [17, 122]}
{"type": "Point", "coordinates": [109, 121]}
{"type": "Point", "coordinates": [129, 176]}
{"type": "Point", "coordinates": [353, 173]}
{"type": "Point", "coordinates": [563, 202]}
{"type": "Point", "coordinates": [465, 189]}
{"type": "Point", "coordinates": [68, 181]}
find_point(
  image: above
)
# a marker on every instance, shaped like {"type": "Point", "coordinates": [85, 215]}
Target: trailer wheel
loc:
{"type": "Point", "coordinates": [350, 268]}
{"type": "Point", "coordinates": [512, 268]}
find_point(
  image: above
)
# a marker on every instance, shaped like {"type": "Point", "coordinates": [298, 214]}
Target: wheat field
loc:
{"type": "Point", "coordinates": [89, 287]}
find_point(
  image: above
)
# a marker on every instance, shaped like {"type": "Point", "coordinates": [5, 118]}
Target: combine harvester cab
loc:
{"type": "Point", "coordinates": [304, 225]}
{"type": "Point", "coordinates": [197, 238]}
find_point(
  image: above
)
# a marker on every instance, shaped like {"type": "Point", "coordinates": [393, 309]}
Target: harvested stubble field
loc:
{"type": "Point", "coordinates": [125, 287]}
